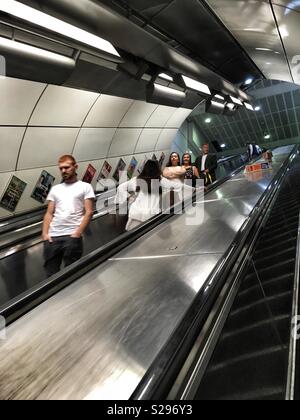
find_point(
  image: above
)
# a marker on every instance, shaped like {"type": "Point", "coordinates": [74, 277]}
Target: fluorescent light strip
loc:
{"type": "Point", "coordinates": [51, 23]}
{"type": "Point", "coordinates": [166, 77]}
{"type": "Point", "coordinates": [249, 106]}
{"type": "Point", "coordinates": [217, 104]}
{"type": "Point", "coordinates": [219, 97]}
{"type": "Point", "coordinates": [20, 47]}
{"type": "Point", "coordinates": [236, 101]}
{"type": "Point", "coordinates": [195, 85]}
{"type": "Point", "coordinates": [168, 90]}
{"type": "Point", "coordinates": [230, 106]}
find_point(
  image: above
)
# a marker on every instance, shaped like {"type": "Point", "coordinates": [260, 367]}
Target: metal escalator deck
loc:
{"type": "Point", "coordinates": [250, 361]}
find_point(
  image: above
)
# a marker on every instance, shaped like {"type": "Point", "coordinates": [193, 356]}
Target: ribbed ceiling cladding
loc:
{"type": "Point", "coordinates": [279, 117]}
{"type": "Point", "coordinates": [268, 31]}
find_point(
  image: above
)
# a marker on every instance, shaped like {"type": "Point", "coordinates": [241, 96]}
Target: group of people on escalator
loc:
{"type": "Point", "coordinates": [71, 203]}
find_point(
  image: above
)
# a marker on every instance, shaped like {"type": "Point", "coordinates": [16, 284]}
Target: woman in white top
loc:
{"type": "Point", "coordinates": [174, 171]}
{"type": "Point", "coordinates": [143, 195]}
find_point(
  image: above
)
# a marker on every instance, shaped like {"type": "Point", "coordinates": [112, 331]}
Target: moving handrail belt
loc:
{"type": "Point", "coordinates": [30, 222]}
{"type": "Point", "coordinates": [160, 377]}
{"type": "Point", "coordinates": [46, 288]}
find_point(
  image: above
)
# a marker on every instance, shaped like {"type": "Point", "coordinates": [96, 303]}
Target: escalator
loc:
{"type": "Point", "coordinates": [21, 247]}
{"type": "Point", "coordinates": [251, 359]}
{"type": "Point", "coordinates": [236, 341]}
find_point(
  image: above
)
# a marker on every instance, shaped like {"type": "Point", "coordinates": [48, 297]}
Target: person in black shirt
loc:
{"type": "Point", "coordinates": [207, 165]}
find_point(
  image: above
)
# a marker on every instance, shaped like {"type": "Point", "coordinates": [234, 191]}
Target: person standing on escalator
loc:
{"type": "Point", "coordinates": [207, 165]}
{"type": "Point", "coordinates": [70, 210]}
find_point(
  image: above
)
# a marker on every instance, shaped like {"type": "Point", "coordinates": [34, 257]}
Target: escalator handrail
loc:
{"type": "Point", "coordinates": [161, 375]}
{"type": "Point", "coordinates": [41, 292]}
{"type": "Point", "coordinates": [11, 223]}
{"type": "Point", "coordinates": [29, 237]}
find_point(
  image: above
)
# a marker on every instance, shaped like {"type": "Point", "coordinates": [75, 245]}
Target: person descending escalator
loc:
{"type": "Point", "coordinates": [207, 165]}
{"type": "Point", "coordinates": [192, 172]}
{"type": "Point", "coordinates": [70, 210]}
{"type": "Point", "coordinates": [142, 194]}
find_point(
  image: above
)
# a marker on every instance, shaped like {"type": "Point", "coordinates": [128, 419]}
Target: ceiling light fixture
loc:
{"type": "Point", "coordinates": [219, 97]}
{"type": "Point", "coordinates": [217, 104]}
{"type": "Point", "coordinates": [230, 106]}
{"type": "Point", "coordinates": [257, 108]}
{"type": "Point", "coordinates": [267, 137]}
{"type": "Point", "coordinates": [166, 77]}
{"type": "Point", "coordinates": [249, 106]}
{"type": "Point", "coordinates": [208, 120]}
{"type": "Point", "coordinates": [169, 90]}
{"type": "Point", "coordinates": [223, 146]}
{"type": "Point", "coordinates": [51, 23]}
{"type": "Point", "coordinates": [236, 101]}
{"type": "Point", "coordinates": [249, 81]}
{"type": "Point", "coordinates": [195, 85]}
{"type": "Point", "coordinates": [38, 52]}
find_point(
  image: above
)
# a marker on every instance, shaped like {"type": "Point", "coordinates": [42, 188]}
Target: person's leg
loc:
{"type": "Point", "coordinates": [73, 250]}
{"type": "Point", "coordinates": [53, 254]}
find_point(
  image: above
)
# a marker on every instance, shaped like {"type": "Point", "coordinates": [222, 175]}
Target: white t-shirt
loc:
{"type": "Point", "coordinates": [69, 207]}
{"type": "Point", "coordinates": [204, 157]}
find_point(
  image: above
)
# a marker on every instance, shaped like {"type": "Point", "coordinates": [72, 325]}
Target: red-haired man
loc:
{"type": "Point", "coordinates": [70, 209]}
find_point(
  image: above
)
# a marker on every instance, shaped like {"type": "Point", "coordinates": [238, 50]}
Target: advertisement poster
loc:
{"type": "Point", "coordinates": [13, 194]}
{"type": "Point", "coordinates": [105, 171]}
{"type": "Point", "coordinates": [161, 160]}
{"type": "Point", "coordinates": [142, 165]}
{"type": "Point", "coordinates": [43, 187]}
{"type": "Point", "coordinates": [120, 168]}
{"type": "Point", "coordinates": [89, 174]}
{"type": "Point", "coordinates": [132, 167]}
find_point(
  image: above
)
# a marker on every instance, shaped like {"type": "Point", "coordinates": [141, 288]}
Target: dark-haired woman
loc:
{"type": "Point", "coordinates": [174, 170]}
{"type": "Point", "coordinates": [192, 172]}
{"type": "Point", "coordinates": [143, 195]}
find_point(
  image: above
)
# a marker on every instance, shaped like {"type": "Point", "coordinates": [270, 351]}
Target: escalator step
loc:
{"type": "Point", "coordinates": [274, 248]}
{"type": "Point", "coordinates": [275, 286]}
{"type": "Point", "coordinates": [238, 378]}
{"type": "Point", "coordinates": [258, 337]}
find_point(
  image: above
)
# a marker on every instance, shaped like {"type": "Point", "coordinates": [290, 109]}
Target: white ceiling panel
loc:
{"type": "Point", "coordinates": [160, 117]}
{"type": "Point", "coordinates": [124, 141]}
{"type": "Point", "coordinates": [166, 139]}
{"type": "Point", "coordinates": [43, 146]}
{"type": "Point", "coordinates": [138, 114]}
{"type": "Point", "coordinates": [108, 111]}
{"type": "Point", "coordinates": [18, 98]}
{"type": "Point", "coordinates": [10, 142]}
{"type": "Point", "coordinates": [178, 118]}
{"type": "Point", "coordinates": [63, 107]}
{"type": "Point", "coordinates": [93, 143]}
{"type": "Point", "coordinates": [148, 140]}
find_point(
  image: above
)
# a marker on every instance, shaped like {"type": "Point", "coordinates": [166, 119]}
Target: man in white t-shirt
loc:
{"type": "Point", "coordinates": [70, 209]}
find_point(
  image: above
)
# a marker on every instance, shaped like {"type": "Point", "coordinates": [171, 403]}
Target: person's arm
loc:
{"type": "Point", "coordinates": [47, 221]}
{"type": "Point", "coordinates": [89, 211]}
{"type": "Point", "coordinates": [196, 172]}
{"type": "Point", "coordinates": [176, 172]}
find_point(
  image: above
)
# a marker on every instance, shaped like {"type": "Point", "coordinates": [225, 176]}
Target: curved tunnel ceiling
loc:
{"type": "Point", "coordinates": [191, 28]}
{"type": "Point", "coordinates": [268, 31]}
{"type": "Point", "coordinates": [132, 37]}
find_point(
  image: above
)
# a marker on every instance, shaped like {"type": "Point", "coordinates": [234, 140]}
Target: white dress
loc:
{"type": "Point", "coordinates": [144, 207]}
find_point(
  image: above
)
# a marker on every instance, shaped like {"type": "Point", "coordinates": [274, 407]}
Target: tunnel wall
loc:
{"type": "Point", "coordinates": [39, 123]}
